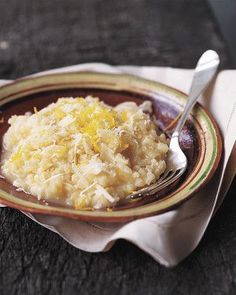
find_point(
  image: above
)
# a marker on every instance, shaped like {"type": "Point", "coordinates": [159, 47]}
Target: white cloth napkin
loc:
{"type": "Point", "coordinates": [171, 236]}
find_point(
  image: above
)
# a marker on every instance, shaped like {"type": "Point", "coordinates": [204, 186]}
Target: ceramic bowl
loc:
{"type": "Point", "coordinates": [200, 138]}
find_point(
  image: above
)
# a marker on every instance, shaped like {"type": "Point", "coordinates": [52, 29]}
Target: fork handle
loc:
{"type": "Point", "coordinates": [204, 72]}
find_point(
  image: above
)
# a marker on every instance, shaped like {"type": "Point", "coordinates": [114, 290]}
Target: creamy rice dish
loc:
{"type": "Point", "coordinates": [84, 153]}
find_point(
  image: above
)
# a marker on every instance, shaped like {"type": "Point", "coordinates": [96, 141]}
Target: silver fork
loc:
{"type": "Point", "coordinates": [176, 159]}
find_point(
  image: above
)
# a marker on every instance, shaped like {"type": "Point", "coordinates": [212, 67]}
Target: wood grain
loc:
{"type": "Point", "coordinates": [38, 35]}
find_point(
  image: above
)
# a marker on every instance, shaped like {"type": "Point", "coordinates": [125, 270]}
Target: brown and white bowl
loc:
{"type": "Point", "coordinates": [200, 138]}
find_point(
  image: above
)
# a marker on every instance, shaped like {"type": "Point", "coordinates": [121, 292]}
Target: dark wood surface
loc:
{"type": "Point", "coordinates": [38, 35]}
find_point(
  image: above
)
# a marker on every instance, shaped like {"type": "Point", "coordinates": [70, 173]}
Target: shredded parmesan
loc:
{"type": "Point", "coordinates": [87, 188]}
{"type": "Point", "coordinates": [53, 177]}
{"type": "Point", "coordinates": [101, 190]}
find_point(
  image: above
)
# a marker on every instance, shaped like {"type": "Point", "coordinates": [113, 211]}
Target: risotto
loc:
{"type": "Point", "coordinates": [83, 152]}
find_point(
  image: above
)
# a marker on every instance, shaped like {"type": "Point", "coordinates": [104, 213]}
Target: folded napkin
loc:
{"type": "Point", "coordinates": [171, 236]}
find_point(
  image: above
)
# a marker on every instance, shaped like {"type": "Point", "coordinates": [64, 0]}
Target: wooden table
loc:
{"type": "Point", "coordinates": [39, 35]}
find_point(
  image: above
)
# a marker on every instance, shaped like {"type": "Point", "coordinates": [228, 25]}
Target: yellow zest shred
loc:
{"type": "Point", "coordinates": [124, 116]}
{"type": "Point", "coordinates": [59, 114]}
{"type": "Point", "coordinates": [16, 157]}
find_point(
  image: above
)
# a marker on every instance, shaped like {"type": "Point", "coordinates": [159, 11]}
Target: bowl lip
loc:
{"type": "Point", "coordinates": [124, 218]}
